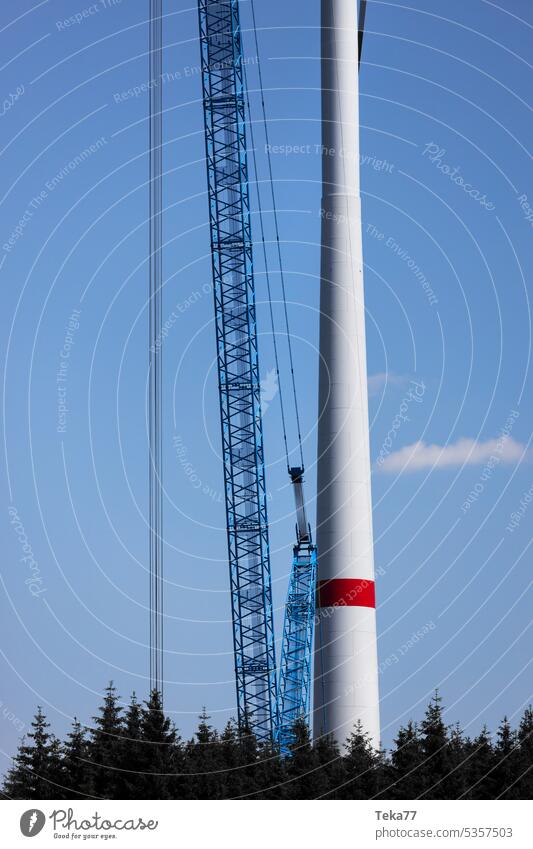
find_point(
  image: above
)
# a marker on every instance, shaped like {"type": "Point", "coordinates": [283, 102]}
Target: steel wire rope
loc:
{"type": "Point", "coordinates": [276, 229]}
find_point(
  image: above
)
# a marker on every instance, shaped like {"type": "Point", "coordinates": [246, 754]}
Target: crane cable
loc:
{"type": "Point", "coordinates": [278, 243]}
{"type": "Point", "coordinates": [155, 353]}
{"type": "Point", "coordinates": [361, 28]}
{"type": "Point", "coordinates": [267, 271]}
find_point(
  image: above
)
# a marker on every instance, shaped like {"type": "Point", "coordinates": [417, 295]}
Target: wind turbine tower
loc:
{"type": "Point", "coordinates": [346, 680]}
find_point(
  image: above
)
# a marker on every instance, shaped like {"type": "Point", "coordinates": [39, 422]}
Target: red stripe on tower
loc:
{"type": "Point", "coordinates": [346, 592]}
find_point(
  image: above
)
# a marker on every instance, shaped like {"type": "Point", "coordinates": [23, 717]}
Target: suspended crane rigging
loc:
{"type": "Point", "coordinates": [155, 390]}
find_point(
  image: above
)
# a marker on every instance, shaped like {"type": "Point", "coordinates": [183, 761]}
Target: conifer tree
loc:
{"type": "Point", "coordinates": [232, 761]}
{"type": "Point", "coordinates": [209, 778]}
{"type": "Point", "coordinates": [506, 761]}
{"type": "Point", "coordinates": [457, 780]}
{"type": "Point", "coordinates": [36, 773]}
{"type": "Point", "coordinates": [331, 766]}
{"type": "Point", "coordinates": [270, 774]}
{"type": "Point", "coordinates": [248, 756]}
{"type": "Point", "coordinates": [524, 778]}
{"type": "Point", "coordinates": [305, 778]}
{"type": "Point", "coordinates": [130, 784]}
{"type": "Point", "coordinates": [75, 763]}
{"type": "Point", "coordinates": [104, 748]}
{"type": "Point", "coordinates": [480, 782]}
{"type": "Point", "coordinates": [361, 764]}
{"type": "Point", "coordinates": [406, 771]}
{"type": "Point", "coordinates": [159, 740]}
{"type": "Point", "coordinates": [436, 761]}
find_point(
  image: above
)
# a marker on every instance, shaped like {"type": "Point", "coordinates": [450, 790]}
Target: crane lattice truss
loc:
{"type": "Point", "coordinates": [296, 652]}
{"type": "Point", "coordinates": [238, 371]}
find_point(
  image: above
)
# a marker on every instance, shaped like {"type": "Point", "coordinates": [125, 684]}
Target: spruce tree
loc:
{"type": "Point", "coordinates": [75, 763]}
{"type": "Point", "coordinates": [331, 766]}
{"type": "Point", "coordinates": [270, 773]}
{"type": "Point", "coordinates": [524, 778]}
{"type": "Point", "coordinates": [159, 740]}
{"type": "Point", "coordinates": [232, 761]}
{"type": "Point", "coordinates": [406, 770]}
{"type": "Point", "coordinates": [36, 770]}
{"type": "Point", "coordinates": [305, 778]}
{"type": "Point", "coordinates": [480, 782]}
{"type": "Point", "coordinates": [457, 781]}
{"type": "Point", "coordinates": [103, 779]}
{"type": "Point", "coordinates": [130, 784]}
{"type": "Point", "coordinates": [436, 764]}
{"type": "Point", "coordinates": [248, 756]}
{"type": "Point", "coordinates": [506, 761]}
{"type": "Point", "coordinates": [205, 754]}
{"type": "Point", "coordinates": [361, 763]}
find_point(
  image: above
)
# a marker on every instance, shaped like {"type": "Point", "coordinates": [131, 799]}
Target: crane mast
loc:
{"type": "Point", "coordinates": [238, 370]}
{"type": "Point", "coordinates": [298, 627]}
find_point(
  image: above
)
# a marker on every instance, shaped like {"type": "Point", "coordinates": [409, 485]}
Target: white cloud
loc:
{"type": "Point", "coordinates": [468, 452]}
{"type": "Point", "coordinates": [376, 382]}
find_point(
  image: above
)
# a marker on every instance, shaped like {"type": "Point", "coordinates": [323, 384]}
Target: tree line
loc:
{"type": "Point", "coordinates": [137, 753]}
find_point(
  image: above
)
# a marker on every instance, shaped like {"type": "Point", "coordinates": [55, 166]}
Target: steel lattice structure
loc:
{"type": "Point", "coordinates": [238, 371]}
{"type": "Point", "coordinates": [298, 629]}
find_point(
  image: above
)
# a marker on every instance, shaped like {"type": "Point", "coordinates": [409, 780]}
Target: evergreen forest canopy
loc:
{"type": "Point", "coordinates": [136, 752]}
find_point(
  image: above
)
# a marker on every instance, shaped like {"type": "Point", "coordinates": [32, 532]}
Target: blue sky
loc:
{"type": "Point", "coordinates": [446, 183]}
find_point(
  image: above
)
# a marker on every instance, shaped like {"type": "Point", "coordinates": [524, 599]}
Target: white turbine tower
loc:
{"type": "Point", "coordinates": [346, 681]}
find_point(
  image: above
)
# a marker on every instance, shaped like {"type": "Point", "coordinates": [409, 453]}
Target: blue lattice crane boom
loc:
{"type": "Point", "coordinates": [224, 100]}
{"type": "Point", "coordinates": [298, 627]}
{"type": "Point", "coordinates": [238, 369]}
